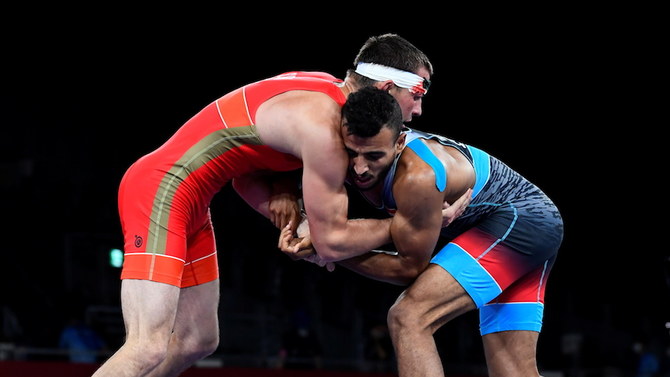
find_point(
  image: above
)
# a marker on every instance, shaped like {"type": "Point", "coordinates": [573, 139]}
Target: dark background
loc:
{"type": "Point", "coordinates": [554, 95]}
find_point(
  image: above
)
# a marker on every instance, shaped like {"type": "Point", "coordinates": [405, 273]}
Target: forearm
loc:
{"type": "Point", "coordinates": [414, 242]}
{"type": "Point", "coordinates": [255, 191]}
{"type": "Point", "coordinates": [273, 196]}
{"type": "Point", "coordinates": [353, 238]}
{"type": "Point", "coordinates": [393, 269]}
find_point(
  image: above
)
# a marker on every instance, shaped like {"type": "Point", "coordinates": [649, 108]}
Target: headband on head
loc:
{"type": "Point", "coordinates": [415, 83]}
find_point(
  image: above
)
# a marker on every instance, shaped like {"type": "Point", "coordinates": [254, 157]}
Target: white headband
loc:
{"type": "Point", "coordinates": [403, 79]}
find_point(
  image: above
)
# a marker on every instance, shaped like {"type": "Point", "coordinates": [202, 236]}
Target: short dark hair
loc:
{"type": "Point", "coordinates": [392, 51]}
{"type": "Point", "coordinates": [368, 110]}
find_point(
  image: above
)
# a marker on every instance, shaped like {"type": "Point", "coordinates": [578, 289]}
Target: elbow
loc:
{"type": "Point", "coordinates": [330, 249]}
{"type": "Point", "coordinates": [403, 282]}
{"type": "Point", "coordinates": [410, 271]}
{"type": "Point", "coordinates": [328, 254]}
{"type": "Point", "coordinates": [328, 257]}
{"type": "Point", "coordinates": [406, 277]}
{"type": "Point", "coordinates": [403, 277]}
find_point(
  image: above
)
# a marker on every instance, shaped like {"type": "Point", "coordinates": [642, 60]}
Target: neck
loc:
{"type": "Point", "coordinates": [374, 194]}
{"type": "Point", "coordinates": [348, 87]}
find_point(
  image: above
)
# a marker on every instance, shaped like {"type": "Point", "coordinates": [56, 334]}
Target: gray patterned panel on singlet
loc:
{"type": "Point", "coordinates": [507, 190]}
{"type": "Point", "coordinates": [507, 201]}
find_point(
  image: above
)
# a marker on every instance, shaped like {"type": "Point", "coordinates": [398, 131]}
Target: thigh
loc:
{"type": "Point", "coordinates": [484, 262]}
{"type": "Point", "coordinates": [520, 306]}
{"type": "Point", "coordinates": [435, 298]}
{"type": "Point", "coordinates": [201, 260]}
{"type": "Point", "coordinates": [198, 310]}
{"type": "Point", "coordinates": [530, 287]}
{"type": "Point", "coordinates": [154, 229]}
{"type": "Point", "coordinates": [149, 310]}
{"type": "Point", "coordinates": [511, 353]}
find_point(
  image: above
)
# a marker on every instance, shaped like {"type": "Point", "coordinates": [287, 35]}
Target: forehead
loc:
{"type": "Point", "coordinates": [423, 72]}
{"type": "Point", "coordinates": [383, 140]}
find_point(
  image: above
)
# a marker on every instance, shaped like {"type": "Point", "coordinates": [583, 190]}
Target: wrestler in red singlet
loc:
{"type": "Point", "coordinates": [164, 197]}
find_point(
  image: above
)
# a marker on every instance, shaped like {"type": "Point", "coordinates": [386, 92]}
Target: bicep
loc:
{"type": "Point", "coordinates": [417, 223]}
{"type": "Point", "coordinates": [324, 194]}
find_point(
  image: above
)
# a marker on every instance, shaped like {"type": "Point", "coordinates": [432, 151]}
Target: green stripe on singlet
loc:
{"type": "Point", "coordinates": [210, 147]}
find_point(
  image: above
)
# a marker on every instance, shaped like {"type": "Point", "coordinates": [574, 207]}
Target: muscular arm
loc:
{"type": "Point", "coordinates": [415, 229]}
{"type": "Point", "coordinates": [307, 125]}
{"type": "Point", "coordinates": [334, 236]}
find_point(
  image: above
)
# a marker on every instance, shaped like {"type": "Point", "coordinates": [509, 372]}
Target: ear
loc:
{"type": "Point", "coordinates": [384, 85]}
{"type": "Point", "coordinates": [400, 142]}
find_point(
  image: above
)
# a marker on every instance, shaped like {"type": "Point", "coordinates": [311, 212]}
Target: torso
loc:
{"type": "Point", "coordinates": [459, 170]}
{"type": "Point", "coordinates": [495, 185]}
{"type": "Point", "coordinates": [244, 131]}
{"type": "Point", "coordinates": [438, 157]}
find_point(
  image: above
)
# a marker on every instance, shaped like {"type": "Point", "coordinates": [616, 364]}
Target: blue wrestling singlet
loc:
{"type": "Point", "coordinates": [502, 248]}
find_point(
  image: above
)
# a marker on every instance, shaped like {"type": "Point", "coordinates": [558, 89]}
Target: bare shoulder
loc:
{"type": "Point", "coordinates": [459, 171]}
{"type": "Point", "coordinates": [418, 200]}
{"type": "Point", "coordinates": [413, 171]}
{"type": "Point", "coordinates": [290, 120]}
{"type": "Point", "coordinates": [298, 105]}
{"type": "Point", "coordinates": [414, 179]}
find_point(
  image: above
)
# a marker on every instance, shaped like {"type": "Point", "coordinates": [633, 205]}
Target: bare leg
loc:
{"type": "Point", "coordinates": [431, 301]}
{"type": "Point", "coordinates": [196, 329]}
{"type": "Point", "coordinates": [511, 353]}
{"type": "Point", "coordinates": [149, 311]}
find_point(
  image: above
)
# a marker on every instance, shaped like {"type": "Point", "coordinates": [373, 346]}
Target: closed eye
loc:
{"type": "Point", "coordinates": [373, 156]}
{"type": "Point", "coordinates": [369, 156]}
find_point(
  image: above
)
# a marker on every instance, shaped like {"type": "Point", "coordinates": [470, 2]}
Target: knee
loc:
{"type": "Point", "coordinates": [200, 346]}
{"type": "Point", "coordinates": [209, 344]}
{"type": "Point", "coordinates": [153, 354]}
{"type": "Point", "coordinates": [146, 355]}
{"type": "Point", "coordinates": [402, 316]}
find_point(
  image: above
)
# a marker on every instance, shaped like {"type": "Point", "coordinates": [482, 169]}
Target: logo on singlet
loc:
{"type": "Point", "coordinates": [138, 241]}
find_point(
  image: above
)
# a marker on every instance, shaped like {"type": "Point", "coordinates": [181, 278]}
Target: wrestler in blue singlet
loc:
{"type": "Point", "coordinates": [503, 246]}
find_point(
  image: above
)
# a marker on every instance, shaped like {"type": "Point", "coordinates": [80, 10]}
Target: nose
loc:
{"type": "Point", "coordinates": [360, 167]}
{"type": "Point", "coordinates": [417, 109]}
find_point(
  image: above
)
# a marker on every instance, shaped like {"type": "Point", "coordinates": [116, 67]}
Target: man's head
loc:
{"type": "Point", "coordinates": [391, 63]}
{"type": "Point", "coordinates": [371, 129]}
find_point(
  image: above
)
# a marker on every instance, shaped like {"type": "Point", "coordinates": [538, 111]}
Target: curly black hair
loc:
{"type": "Point", "coordinates": [368, 110]}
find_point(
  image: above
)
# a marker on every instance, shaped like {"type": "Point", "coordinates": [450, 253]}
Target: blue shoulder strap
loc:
{"type": "Point", "coordinates": [427, 155]}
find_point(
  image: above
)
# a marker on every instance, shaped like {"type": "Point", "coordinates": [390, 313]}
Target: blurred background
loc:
{"type": "Point", "coordinates": [551, 95]}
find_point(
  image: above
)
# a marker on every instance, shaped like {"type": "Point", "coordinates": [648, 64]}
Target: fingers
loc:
{"type": "Point", "coordinates": [285, 237]}
{"type": "Point", "coordinates": [282, 209]}
{"type": "Point", "coordinates": [304, 244]}
{"type": "Point", "coordinates": [292, 220]}
{"type": "Point", "coordinates": [295, 221]}
{"type": "Point", "coordinates": [296, 248]}
{"type": "Point", "coordinates": [460, 203]}
{"type": "Point", "coordinates": [464, 200]}
{"type": "Point", "coordinates": [281, 221]}
{"type": "Point", "coordinates": [304, 253]}
{"type": "Point", "coordinates": [453, 211]}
